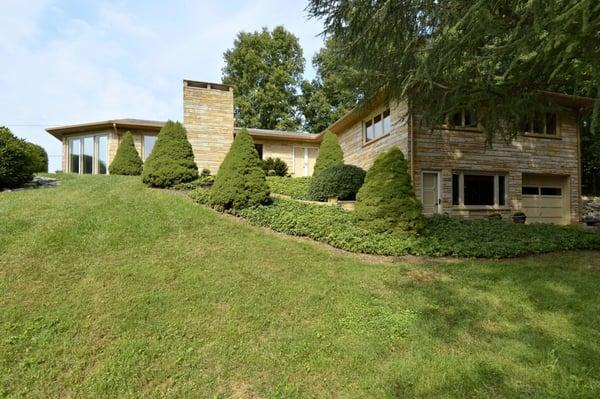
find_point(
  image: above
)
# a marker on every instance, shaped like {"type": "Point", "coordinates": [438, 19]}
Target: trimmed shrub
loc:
{"type": "Point", "coordinates": [241, 181]}
{"type": "Point", "coordinates": [172, 160]}
{"type": "Point", "coordinates": [205, 172]}
{"type": "Point", "coordinates": [278, 166]}
{"type": "Point", "coordinates": [39, 158]}
{"type": "Point", "coordinates": [386, 202]}
{"type": "Point", "coordinates": [340, 181]}
{"type": "Point", "coordinates": [17, 163]}
{"type": "Point", "coordinates": [294, 187]}
{"type": "Point", "coordinates": [330, 153]}
{"type": "Point", "coordinates": [127, 161]}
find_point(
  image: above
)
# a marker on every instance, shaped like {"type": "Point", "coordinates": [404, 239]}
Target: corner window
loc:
{"type": "Point", "coordinates": [478, 189]}
{"type": "Point", "coordinates": [544, 124]}
{"type": "Point", "coordinates": [88, 154]}
{"type": "Point", "coordinates": [379, 126]}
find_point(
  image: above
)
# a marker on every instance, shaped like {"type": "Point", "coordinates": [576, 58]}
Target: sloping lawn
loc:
{"type": "Point", "coordinates": [108, 288]}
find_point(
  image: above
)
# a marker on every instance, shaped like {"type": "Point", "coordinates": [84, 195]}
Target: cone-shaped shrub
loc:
{"type": "Point", "coordinates": [241, 181]}
{"type": "Point", "coordinates": [330, 153]}
{"type": "Point", "coordinates": [171, 161]}
{"type": "Point", "coordinates": [127, 161]}
{"type": "Point", "coordinates": [386, 202]}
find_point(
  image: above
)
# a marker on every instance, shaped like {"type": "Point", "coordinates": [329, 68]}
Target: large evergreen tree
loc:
{"type": "Point", "coordinates": [448, 55]}
{"type": "Point", "coordinates": [266, 69]}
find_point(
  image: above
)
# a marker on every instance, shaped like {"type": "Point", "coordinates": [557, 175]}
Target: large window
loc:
{"type": "Point", "coordinates": [88, 154]}
{"type": "Point", "coordinates": [149, 142]}
{"type": "Point", "coordinates": [544, 124]}
{"type": "Point", "coordinates": [378, 126]}
{"type": "Point", "coordinates": [478, 189]}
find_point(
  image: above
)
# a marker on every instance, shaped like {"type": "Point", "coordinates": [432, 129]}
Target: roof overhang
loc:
{"type": "Point", "coordinates": [120, 124]}
{"type": "Point", "coordinates": [567, 100]}
{"type": "Point", "coordinates": [280, 135]}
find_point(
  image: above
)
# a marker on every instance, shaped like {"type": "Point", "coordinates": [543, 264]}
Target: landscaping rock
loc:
{"type": "Point", "coordinates": [37, 182]}
{"type": "Point", "coordinates": [591, 210]}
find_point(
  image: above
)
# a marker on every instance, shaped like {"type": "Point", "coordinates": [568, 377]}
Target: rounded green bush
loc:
{"type": "Point", "coordinates": [39, 158]}
{"type": "Point", "coordinates": [172, 160]}
{"type": "Point", "coordinates": [278, 166]}
{"type": "Point", "coordinates": [127, 161]}
{"type": "Point", "coordinates": [386, 202]}
{"type": "Point", "coordinates": [330, 153]}
{"type": "Point", "coordinates": [340, 181]}
{"type": "Point", "coordinates": [17, 162]}
{"type": "Point", "coordinates": [241, 181]}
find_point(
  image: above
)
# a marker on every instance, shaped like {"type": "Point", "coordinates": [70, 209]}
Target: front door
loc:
{"type": "Point", "coordinates": [431, 198]}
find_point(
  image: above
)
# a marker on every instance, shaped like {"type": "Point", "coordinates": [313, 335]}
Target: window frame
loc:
{"type": "Point", "coordinates": [370, 123]}
{"type": "Point", "coordinates": [462, 127]}
{"type": "Point", "coordinates": [528, 131]}
{"type": "Point", "coordinates": [461, 189]}
{"type": "Point", "coordinates": [95, 152]}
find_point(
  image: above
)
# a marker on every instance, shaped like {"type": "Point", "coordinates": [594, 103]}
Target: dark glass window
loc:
{"type": "Point", "coordinates": [455, 189]}
{"type": "Point", "coordinates": [470, 119]}
{"type": "Point", "coordinates": [551, 124]}
{"type": "Point", "coordinates": [478, 190]}
{"type": "Point", "coordinates": [457, 119]}
{"type": "Point", "coordinates": [551, 191]}
{"type": "Point", "coordinates": [527, 190]}
{"type": "Point", "coordinates": [501, 190]}
{"type": "Point", "coordinates": [259, 149]}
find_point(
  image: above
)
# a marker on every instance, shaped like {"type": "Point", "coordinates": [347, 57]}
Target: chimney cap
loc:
{"type": "Point", "coordinates": [207, 85]}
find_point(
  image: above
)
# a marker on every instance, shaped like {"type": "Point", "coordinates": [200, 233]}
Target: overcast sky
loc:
{"type": "Point", "coordinates": [75, 61]}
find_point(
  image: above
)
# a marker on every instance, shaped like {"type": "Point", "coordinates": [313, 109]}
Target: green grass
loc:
{"type": "Point", "coordinates": [108, 288]}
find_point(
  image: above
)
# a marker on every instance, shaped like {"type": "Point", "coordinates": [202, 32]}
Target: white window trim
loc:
{"type": "Point", "coordinates": [95, 152]}
{"type": "Point", "coordinates": [461, 190]}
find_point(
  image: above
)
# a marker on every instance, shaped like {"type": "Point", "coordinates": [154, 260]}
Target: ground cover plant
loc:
{"type": "Point", "coordinates": [127, 161]}
{"type": "Point", "coordinates": [294, 187]}
{"type": "Point", "coordinates": [133, 292]}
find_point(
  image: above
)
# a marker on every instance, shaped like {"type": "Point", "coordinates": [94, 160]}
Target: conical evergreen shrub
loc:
{"type": "Point", "coordinates": [386, 202]}
{"type": "Point", "coordinates": [127, 161]}
{"type": "Point", "coordinates": [172, 160]}
{"type": "Point", "coordinates": [241, 181]}
{"type": "Point", "coordinates": [330, 153]}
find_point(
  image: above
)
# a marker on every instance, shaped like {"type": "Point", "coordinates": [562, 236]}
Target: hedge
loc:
{"type": "Point", "coordinates": [340, 181]}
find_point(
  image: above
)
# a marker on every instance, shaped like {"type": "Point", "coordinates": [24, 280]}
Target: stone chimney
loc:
{"type": "Point", "coordinates": [208, 119]}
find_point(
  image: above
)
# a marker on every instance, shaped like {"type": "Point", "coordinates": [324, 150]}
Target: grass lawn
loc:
{"type": "Point", "coordinates": [108, 288]}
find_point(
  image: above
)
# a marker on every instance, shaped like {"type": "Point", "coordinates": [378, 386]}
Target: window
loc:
{"type": "Point", "coordinates": [478, 189]}
{"type": "Point", "coordinates": [88, 155]}
{"type": "Point", "coordinates": [259, 149]}
{"type": "Point", "coordinates": [379, 126]}
{"type": "Point", "coordinates": [544, 124]}
{"type": "Point", "coordinates": [527, 190]}
{"type": "Point", "coordinates": [149, 142]}
{"type": "Point", "coordinates": [464, 118]}
{"type": "Point", "coordinates": [551, 191]}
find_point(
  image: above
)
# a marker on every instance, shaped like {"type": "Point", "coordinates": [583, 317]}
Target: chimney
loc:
{"type": "Point", "coordinates": [208, 119]}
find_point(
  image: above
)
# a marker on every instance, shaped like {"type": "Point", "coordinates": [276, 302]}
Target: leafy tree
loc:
{"type": "Point", "coordinates": [240, 181]}
{"type": "Point", "coordinates": [590, 159]}
{"type": "Point", "coordinates": [127, 161]}
{"type": "Point", "coordinates": [17, 162]}
{"type": "Point", "coordinates": [386, 202]}
{"type": "Point", "coordinates": [172, 160]}
{"type": "Point", "coordinates": [266, 70]}
{"type": "Point", "coordinates": [330, 153]}
{"type": "Point", "coordinates": [492, 56]}
{"type": "Point", "coordinates": [331, 94]}
{"type": "Point", "coordinates": [39, 158]}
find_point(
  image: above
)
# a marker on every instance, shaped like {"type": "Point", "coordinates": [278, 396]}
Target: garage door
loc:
{"type": "Point", "coordinates": [544, 199]}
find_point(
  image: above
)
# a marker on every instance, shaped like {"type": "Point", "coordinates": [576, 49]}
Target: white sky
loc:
{"type": "Point", "coordinates": [75, 61]}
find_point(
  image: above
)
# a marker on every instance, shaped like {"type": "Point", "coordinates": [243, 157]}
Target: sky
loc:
{"type": "Point", "coordinates": [74, 61]}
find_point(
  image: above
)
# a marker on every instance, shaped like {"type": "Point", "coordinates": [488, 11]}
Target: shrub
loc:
{"type": "Point", "coordinates": [340, 181]}
{"type": "Point", "coordinates": [294, 187]}
{"type": "Point", "coordinates": [276, 165]}
{"type": "Point", "coordinates": [386, 202]}
{"type": "Point", "coordinates": [240, 181]}
{"type": "Point", "coordinates": [127, 161]}
{"type": "Point", "coordinates": [172, 160]}
{"type": "Point", "coordinates": [330, 153]}
{"type": "Point", "coordinates": [205, 172]}
{"type": "Point", "coordinates": [39, 158]}
{"type": "Point", "coordinates": [17, 163]}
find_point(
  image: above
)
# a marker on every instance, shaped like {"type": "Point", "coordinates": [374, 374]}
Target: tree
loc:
{"type": "Point", "coordinates": [332, 93]}
{"type": "Point", "coordinates": [127, 161]}
{"type": "Point", "coordinates": [265, 69]}
{"type": "Point", "coordinates": [241, 181]}
{"type": "Point", "coordinates": [492, 56]}
{"type": "Point", "coordinates": [590, 159]}
{"type": "Point", "coordinates": [17, 162]}
{"type": "Point", "coordinates": [39, 158]}
{"type": "Point", "coordinates": [386, 202]}
{"type": "Point", "coordinates": [330, 153]}
{"type": "Point", "coordinates": [172, 160]}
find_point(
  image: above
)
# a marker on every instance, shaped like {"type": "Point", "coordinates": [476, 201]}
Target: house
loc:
{"type": "Point", "coordinates": [452, 169]}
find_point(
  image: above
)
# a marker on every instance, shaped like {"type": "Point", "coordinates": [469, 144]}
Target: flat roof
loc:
{"type": "Point", "coordinates": [282, 135]}
{"type": "Point", "coordinates": [137, 124]}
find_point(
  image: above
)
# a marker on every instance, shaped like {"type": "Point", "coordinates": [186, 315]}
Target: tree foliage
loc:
{"type": "Point", "coordinates": [172, 160]}
{"type": "Point", "coordinates": [266, 70]}
{"type": "Point", "coordinates": [17, 160]}
{"type": "Point", "coordinates": [127, 161]}
{"type": "Point", "coordinates": [386, 202]}
{"type": "Point", "coordinates": [330, 153]}
{"type": "Point", "coordinates": [590, 159]}
{"type": "Point", "coordinates": [492, 56]}
{"type": "Point", "coordinates": [240, 181]}
{"type": "Point", "coordinates": [39, 158]}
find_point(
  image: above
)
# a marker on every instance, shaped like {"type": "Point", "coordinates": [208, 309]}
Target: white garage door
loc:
{"type": "Point", "coordinates": [544, 199]}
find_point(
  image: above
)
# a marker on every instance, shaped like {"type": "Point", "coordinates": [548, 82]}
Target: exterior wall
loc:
{"type": "Point", "coordinates": [288, 152]}
{"type": "Point", "coordinates": [464, 150]}
{"type": "Point", "coordinates": [208, 118]}
{"type": "Point", "coordinates": [358, 152]}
